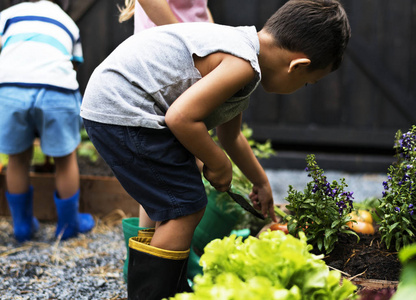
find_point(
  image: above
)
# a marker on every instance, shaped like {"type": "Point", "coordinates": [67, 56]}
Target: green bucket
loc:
{"type": "Point", "coordinates": [215, 223]}
{"type": "Point", "coordinates": [130, 229]}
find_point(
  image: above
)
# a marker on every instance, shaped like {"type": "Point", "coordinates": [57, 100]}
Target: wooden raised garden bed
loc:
{"type": "Point", "coordinates": [100, 195]}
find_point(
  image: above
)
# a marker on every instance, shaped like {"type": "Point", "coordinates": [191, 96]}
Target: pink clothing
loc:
{"type": "Point", "coordinates": [184, 10]}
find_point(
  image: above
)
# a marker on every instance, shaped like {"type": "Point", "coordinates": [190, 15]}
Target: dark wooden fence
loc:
{"type": "Point", "coordinates": [355, 111]}
{"type": "Point", "coordinates": [352, 114]}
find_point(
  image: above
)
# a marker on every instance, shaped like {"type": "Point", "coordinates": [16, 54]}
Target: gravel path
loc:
{"type": "Point", "coordinates": [90, 266]}
{"type": "Point", "coordinates": [86, 267]}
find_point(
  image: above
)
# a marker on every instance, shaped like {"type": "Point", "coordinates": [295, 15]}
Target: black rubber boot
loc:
{"type": "Point", "coordinates": [155, 273]}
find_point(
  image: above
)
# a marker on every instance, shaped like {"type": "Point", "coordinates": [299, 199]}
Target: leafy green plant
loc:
{"type": "Point", "coordinates": [4, 159]}
{"type": "Point", "coordinates": [86, 148]}
{"type": "Point", "coordinates": [321, 211]}
{"type": "Point", "coordinates": [407, 285]}
{"type": "Point", "coordinates": [273, 266]}
{"type": "Point", "coordinates": [240, 184]}
{"type": "Point", "coordinates": [37, 159]}
{"type": "Point", "coordinates": [396, 209]}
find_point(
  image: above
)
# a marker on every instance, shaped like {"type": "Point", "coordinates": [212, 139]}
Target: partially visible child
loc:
{"type": "Point", "coordinates": [149, 105]}
{"type": "Point", "coordinates": [151, 13]}
{"type": "Point", "coordinates": [39, 97]}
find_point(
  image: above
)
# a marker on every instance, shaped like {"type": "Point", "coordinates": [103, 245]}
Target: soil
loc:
{"type": "Point", "coordinates": [369, 258]}
{"type": "Point", "coordinates": [97, 168]}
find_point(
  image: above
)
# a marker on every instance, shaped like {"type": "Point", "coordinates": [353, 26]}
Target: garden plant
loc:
{"type": "Point", "coordinates": [321, 211]}
{"type": "Point", "coordinates": [396, 209]}
{"type": "Point", "coordinates": [273, 266]}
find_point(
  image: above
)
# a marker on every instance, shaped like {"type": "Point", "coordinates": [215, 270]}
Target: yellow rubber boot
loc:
{"type": "Point", "coordinates": [155, 273]}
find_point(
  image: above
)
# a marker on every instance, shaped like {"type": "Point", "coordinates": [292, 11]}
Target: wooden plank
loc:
{"type": "Point", "coordinates": [4, 4]}
{"type": "Point", "coordinates": [374, 284]}
{"type": "Point", "coordinates": [241, 12]}
{"type": "Point", "coordinates": [101, 33]}
{"type": "Point", "coordinates": [78, 8]}
{"type": "Point", "coordinates": [382, 79]}
{"type": "Point", "coordinates": [100, 195]}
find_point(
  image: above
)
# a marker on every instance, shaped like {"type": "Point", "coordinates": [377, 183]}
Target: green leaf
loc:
{"type": "Point", "coordinates": [392, 227]}
{"type": "Point", "coordinates": [411, 234]}
{"type": "Point", "coordinates": [329, 232]}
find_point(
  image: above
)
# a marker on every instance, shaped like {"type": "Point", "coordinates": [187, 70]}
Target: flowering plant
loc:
{"type": "Point", "coordinates": [321, 211]}
{"type": "Point", "coordinates": [398, 218]}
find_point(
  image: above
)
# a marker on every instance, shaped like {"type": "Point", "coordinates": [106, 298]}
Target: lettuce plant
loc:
{"type": "Point", "coordinates": [321, 211]}
{"type": "Point", "coordinates": [273, 266]}
{"type": "Point", "coordinates": [397, 206]}
{"type": "Point", "coordinates": [407, 285]}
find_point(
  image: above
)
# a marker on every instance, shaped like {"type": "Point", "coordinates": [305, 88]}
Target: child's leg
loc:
{"type": "Point", "coordinates": [144, 220]}
{"type": "Point", "coordinates": [19, 195]}
{"type": "Point", "coordinates": [70, 221]}
{"type": "Point", "coordinates": [176, 234]}
{"type": "Point", "coordinates": [17, 172]}
{"type": "Point", "coordinates": [159, 270]}
{"type": "Point", "coordinates": [67, 175]}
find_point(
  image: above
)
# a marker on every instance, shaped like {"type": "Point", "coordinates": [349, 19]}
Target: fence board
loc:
{"type": "Point", "coordinates": [361, 105]}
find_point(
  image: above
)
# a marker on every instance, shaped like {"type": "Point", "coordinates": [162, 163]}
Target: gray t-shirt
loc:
{"type": "Point", "coordinates": [143, 76]}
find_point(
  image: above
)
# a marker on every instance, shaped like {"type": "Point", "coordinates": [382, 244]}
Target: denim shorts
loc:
{"type": "Point", "coordinates": [153, 167]}
{"type": "Point", "coordinates": [27, 113]}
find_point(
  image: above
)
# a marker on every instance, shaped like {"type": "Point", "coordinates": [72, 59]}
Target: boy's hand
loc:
{"type": "Point", "coordinates": [219, 178]}
{"type": "Point", "coordinates": [262, 199]}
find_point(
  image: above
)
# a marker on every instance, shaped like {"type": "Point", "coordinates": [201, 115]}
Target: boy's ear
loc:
{"type": "Point", "coordinates": [298, 63]}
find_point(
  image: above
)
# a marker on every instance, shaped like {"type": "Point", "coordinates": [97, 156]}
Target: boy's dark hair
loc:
{"type": "Point", "coordinates": [317, 28]}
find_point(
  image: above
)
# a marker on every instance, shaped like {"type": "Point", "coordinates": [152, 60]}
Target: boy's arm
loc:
{"type": "Point", "coordinates": [236, 145]}
{"type": "Point", "coordinates": [222, 76]}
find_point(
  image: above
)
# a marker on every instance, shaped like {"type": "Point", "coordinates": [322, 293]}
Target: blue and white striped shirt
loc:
{"type": "Point", "coordinates": [39, 41]}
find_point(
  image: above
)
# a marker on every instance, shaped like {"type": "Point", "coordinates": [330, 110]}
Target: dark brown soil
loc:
{"type": "Point", "coordinates": [368, 258]}
{"type": "Point", "coordinates": [97, 168]}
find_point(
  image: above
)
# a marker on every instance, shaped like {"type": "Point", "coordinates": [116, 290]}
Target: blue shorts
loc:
{"type": "Point", "coordinates": [153, 167]}
{"type": "Point", "coordinates": [52, 115]}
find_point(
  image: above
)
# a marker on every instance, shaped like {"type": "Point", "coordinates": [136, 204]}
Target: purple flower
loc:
{"type": "Point", "coordinates": [397, 209]}
{"type": "Point", "coordinates": [410, 206]}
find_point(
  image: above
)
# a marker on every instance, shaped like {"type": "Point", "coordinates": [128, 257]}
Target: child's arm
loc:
{"type": "Point", "coordinates": [158, 11]}
{"type": "Point", "coordinates": [239, 150]}
{"type": "Point", "coordinates": [222, 76]}
{"type": "Point", "coordinates": [210, 17]}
